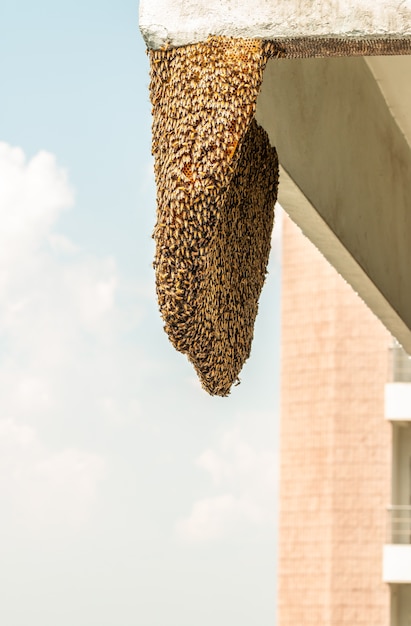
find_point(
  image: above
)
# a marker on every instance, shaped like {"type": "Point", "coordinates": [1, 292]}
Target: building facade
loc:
{"type": "Point", "coordinates": [345, 468]}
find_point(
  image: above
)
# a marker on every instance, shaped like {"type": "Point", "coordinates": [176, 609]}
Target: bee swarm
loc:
{"type": "Point", "coordinates": [217, 179]}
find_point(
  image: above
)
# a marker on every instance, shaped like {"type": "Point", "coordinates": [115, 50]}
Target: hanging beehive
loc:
{"type": "Point", "coordinates": [217, 179]}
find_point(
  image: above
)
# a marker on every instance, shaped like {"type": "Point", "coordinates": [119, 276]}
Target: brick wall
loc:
{"type": "Point", "coordinates": [335, 447]}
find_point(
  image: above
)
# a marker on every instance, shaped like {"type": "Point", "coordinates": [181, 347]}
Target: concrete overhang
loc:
{"type": "Point", "coordinates": [178, 23]}
{"type": "Point", "coordinates": [342, 129]}
{"type": "Point", "coordinates": [341, 126]}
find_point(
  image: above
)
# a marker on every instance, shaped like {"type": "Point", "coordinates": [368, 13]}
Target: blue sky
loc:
{"type": "Point", "coordinates": [127, 495]}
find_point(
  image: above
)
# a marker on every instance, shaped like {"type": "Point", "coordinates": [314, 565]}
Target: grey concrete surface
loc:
{"type": "Point", "coordinates": [348, 175]}
{"type": "Point", "coordinates": [166, 22]}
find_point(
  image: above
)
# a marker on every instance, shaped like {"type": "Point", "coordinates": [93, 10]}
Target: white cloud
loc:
{"type": "Point", "coordinates": [60, 326]}
{"type": "Point", "coordinates": [39, 487]}
{"type": "Point", "coordinates": [32, 195]}
{"type": "Point", "coordinates": [243, 468]}
{"type": "Point", "coordinates": [64, 354]}
{"type": "Point", "coordinates": [61, 244]}
{"type": "Point", "coordinates": [92, 286]}
{"type": "Point", "coordinates": [211, 518]}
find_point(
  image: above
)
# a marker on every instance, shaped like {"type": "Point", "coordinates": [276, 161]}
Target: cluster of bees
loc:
{"type": "Point", "coordinates": [217, 179]}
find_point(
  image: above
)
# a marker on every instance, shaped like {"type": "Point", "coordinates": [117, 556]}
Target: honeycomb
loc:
{"type": "Point", "coordinates": [217, 179]}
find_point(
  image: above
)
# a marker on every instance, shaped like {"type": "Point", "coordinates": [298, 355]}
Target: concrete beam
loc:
{"type": "Point", "coordinates": [166, 22]}
{"type": "Point", "coordinates": [346, 176]}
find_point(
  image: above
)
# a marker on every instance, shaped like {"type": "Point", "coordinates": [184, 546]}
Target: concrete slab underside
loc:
{"type": "Point", "coordinates": [346, 175]}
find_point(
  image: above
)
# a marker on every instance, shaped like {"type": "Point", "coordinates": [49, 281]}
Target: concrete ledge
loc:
{"type": "Point", "coordinates": [346, 177]}
{"type": "Point", "coordinates": [189, 21]}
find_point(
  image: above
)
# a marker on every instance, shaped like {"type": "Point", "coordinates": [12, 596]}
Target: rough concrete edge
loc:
{"type": "Point", "coordinates": [301, 211]}
{"type": "Point", "coordinates": [157, 36]}
{"type": "Point", "coordinates": [165, 24]}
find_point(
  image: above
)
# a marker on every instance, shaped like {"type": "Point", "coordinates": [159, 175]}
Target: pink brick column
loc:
{"type": "Point", "coordinates": [335, 448]}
